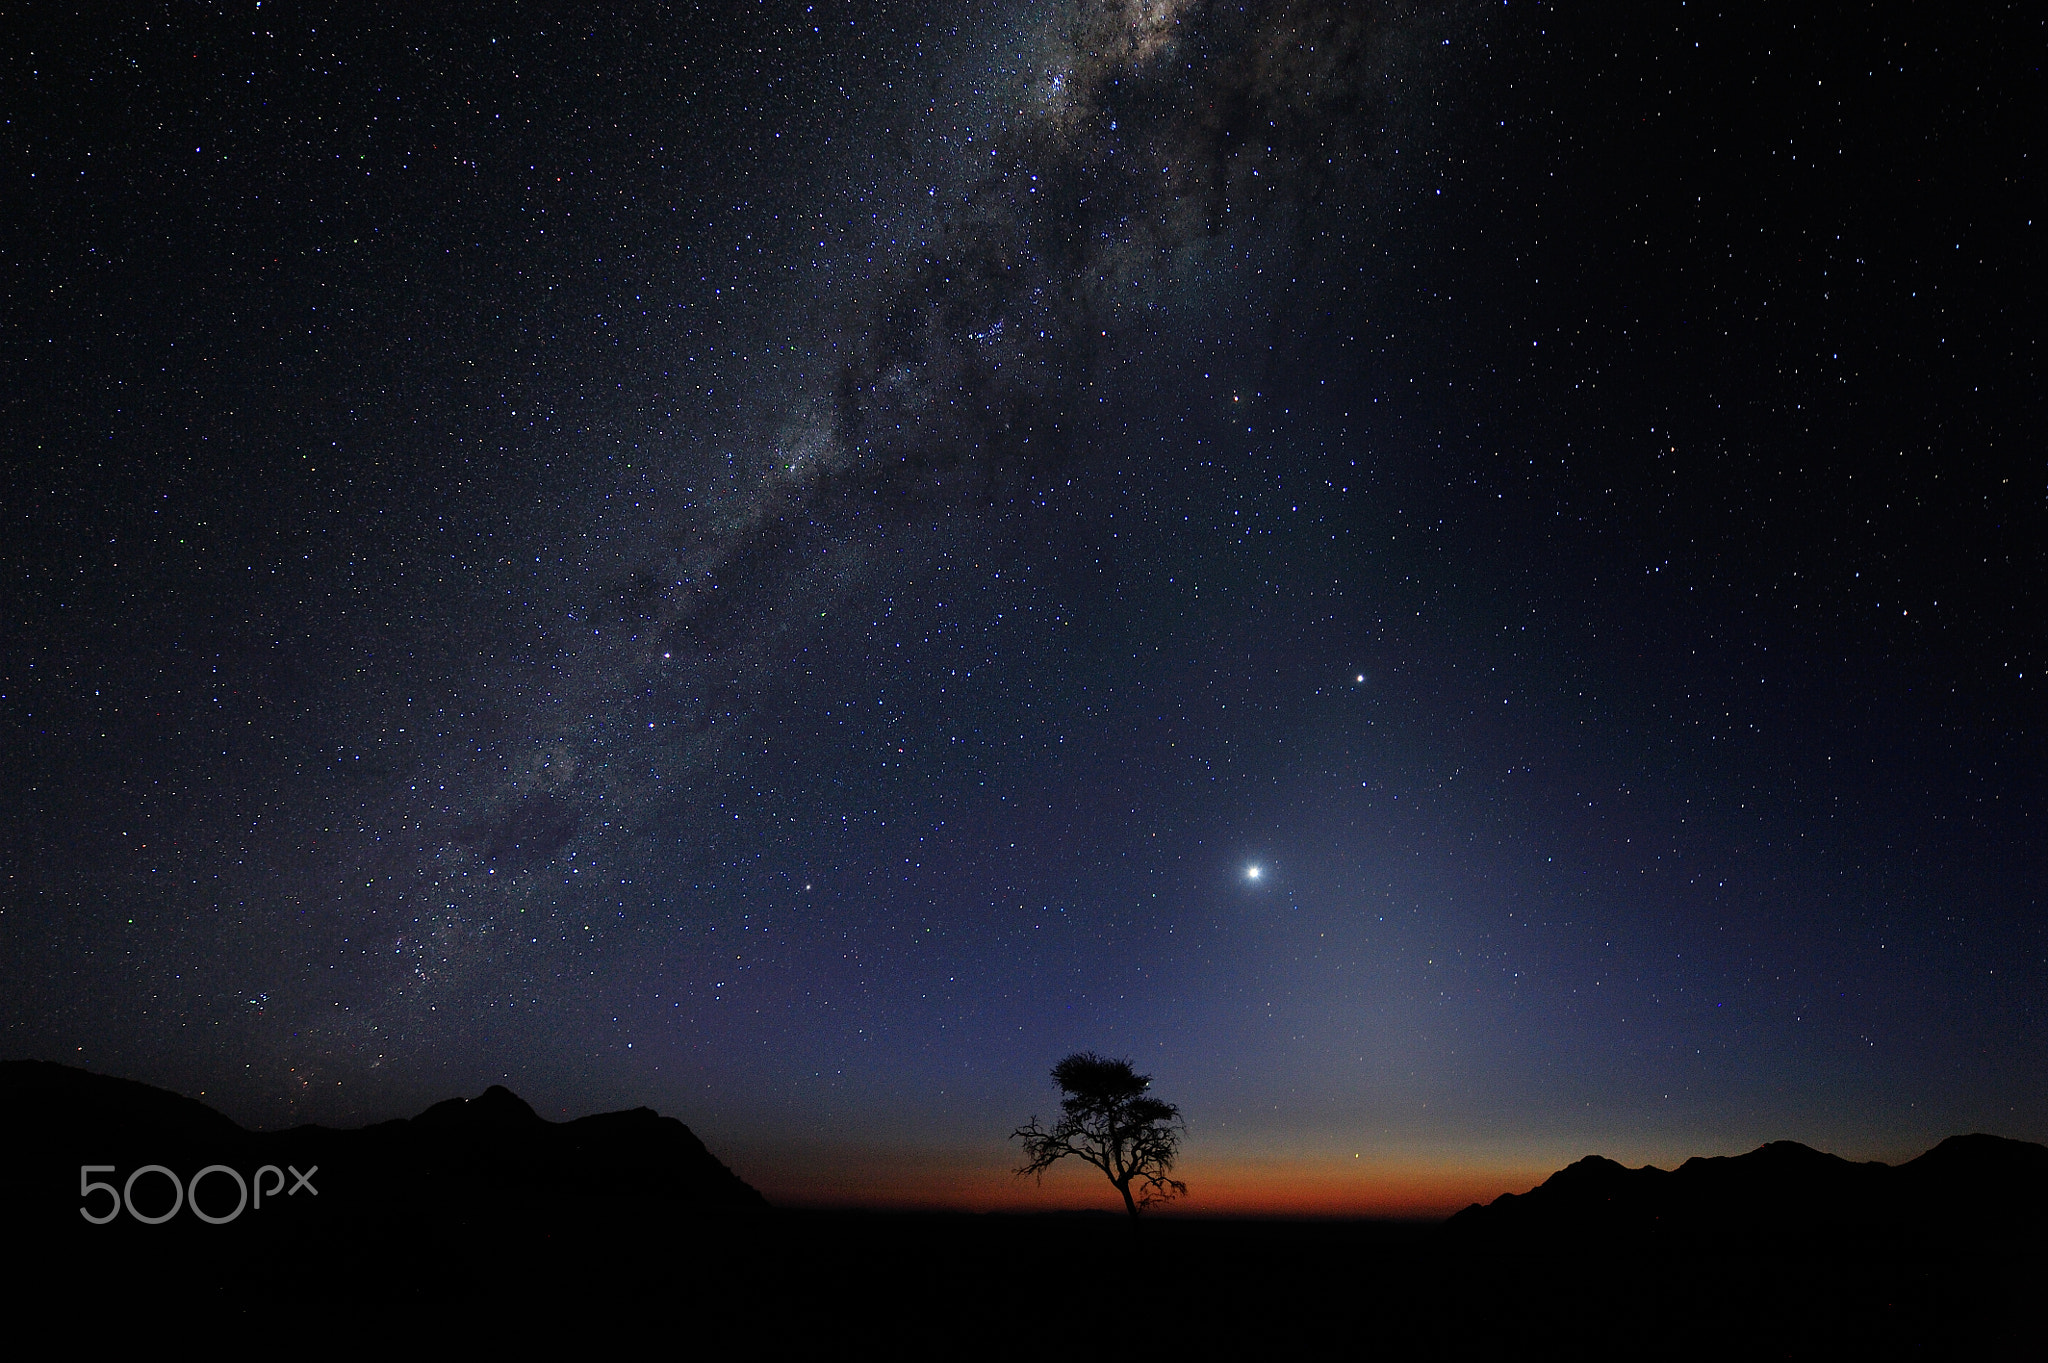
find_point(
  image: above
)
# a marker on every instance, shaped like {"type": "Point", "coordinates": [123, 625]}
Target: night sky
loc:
{"type": "Point", "coordinates": [788, 563]}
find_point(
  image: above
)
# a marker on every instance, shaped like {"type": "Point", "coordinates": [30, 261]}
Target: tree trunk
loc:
{"type": "Point", "coordinates": [1130, 1203]}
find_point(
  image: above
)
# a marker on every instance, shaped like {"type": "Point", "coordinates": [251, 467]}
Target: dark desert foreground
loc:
{"type": "Point", "coordinates": [479, 1222]}
{"type": "Point", "coordinates": [1005, 1286]}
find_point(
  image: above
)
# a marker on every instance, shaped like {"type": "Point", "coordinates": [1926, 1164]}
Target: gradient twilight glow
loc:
{"type": "Point", "coordinates": [1461, 582]}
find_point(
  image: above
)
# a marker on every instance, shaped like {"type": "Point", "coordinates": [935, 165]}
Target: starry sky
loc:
{"type": "Point", "coordinates": [786, 563]}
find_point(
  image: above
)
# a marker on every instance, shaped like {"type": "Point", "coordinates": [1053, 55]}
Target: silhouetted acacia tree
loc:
{"type": "Point", "coordinates": [1107, 1119]}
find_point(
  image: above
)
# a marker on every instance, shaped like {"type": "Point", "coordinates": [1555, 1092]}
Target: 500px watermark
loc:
{"type": "Point", "coordinates": [186, 1194]}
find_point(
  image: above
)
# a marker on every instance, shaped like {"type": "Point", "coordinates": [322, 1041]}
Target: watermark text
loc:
{"type": "Point", "coordinates": [184, 1196]}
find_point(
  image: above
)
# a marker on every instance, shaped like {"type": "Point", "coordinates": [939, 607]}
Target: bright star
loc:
{"type": "Point", "coordinates": [1251, 873]}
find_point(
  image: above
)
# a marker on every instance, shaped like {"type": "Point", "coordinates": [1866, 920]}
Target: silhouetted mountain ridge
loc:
{"type": "Point", "coordinates": [1976, 1185]}
{"type": "Point", "coordinates": [496, 1107]}
{"type": "Point", "coordinates": [486, 1159]}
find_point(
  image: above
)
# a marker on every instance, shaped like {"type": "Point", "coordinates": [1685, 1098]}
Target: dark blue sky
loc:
{"type": "Point", "coordinates": [784, 564]}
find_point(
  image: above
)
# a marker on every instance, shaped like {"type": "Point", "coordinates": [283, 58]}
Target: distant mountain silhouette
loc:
{"type": "Point", "coordinates": [1976, 1186]}
{"type": "Point", "coordinates": [484, 1160]}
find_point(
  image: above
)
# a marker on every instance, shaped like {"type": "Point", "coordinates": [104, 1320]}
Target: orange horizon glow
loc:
{"type": "Point", "coordinates": [1405, 1190]}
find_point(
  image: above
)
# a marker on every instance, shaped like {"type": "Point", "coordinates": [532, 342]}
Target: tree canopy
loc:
{"type": "Point", "coordinates": [1108, 1119]}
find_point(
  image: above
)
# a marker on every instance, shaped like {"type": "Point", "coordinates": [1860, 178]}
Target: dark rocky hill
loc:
{"type": "Point", "coordinates": [108, 1177]}
{"type": "Point", "coordinates": [1973, 1186]}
